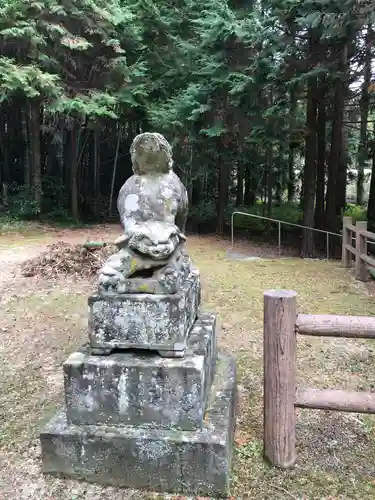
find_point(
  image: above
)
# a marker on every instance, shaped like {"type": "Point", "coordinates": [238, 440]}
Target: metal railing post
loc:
{"type": "Point", "coordinates": [232, 228]}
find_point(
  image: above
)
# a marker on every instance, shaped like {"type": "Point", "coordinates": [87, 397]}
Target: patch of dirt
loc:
{"type": "Point", "coordinates": [252, 248]}
{"type": "Point", "coordinates": [370, 286]}
{"type": "Point", "coordinates": [16, 249]}
{"type": "Point", "coordinates": [11, 260]}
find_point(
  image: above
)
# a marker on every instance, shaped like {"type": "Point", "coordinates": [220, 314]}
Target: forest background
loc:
{"type": "Point", "coordinates": [269, 106]}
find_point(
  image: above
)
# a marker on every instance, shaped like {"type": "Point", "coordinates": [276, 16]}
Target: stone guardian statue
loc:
{"type": "Point", "coordinates": [153, 207]}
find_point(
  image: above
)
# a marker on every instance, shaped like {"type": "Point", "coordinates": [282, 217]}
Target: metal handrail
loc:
{"type": "Point", "coordinates": [279, 222]}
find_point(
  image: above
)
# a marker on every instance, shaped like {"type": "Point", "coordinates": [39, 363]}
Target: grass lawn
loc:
{"type": "Point", "coordinates": [42, 322]}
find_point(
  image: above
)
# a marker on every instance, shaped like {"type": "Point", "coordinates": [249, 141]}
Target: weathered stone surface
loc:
{"type": "Point", "coordinates": [190, 462]}
{"type": "Point", "coordinates": [130, 388]}
{"type": "Point", "coordinates": [145, 321]}
{"type": "Point", "coordinates": [153, 206]}
{"type": "Point", "coordinates": [164, 280]}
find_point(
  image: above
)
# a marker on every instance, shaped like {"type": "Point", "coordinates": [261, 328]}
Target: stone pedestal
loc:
{"type": "Point", "coordinates": [156, 322]}
{"type": "Point", "coordinates": [136, 419]}
{"type": "Point", "coordinates": [143, 389]}
{"type": "Point", "coordinates": [190, 462]}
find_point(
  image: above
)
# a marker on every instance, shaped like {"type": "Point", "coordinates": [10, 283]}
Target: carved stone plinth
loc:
{"type": "Point", "coordinates": [191, 462]}
{"type": "Point", "coordinates": [131, 388]}
{"type": "Point", "coordinates": [145, 321]}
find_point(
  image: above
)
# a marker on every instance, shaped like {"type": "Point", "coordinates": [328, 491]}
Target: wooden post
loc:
{"type": "Point", "coordinates": [361, 272]}
{"type": "Point", "coordinates": [280, 377]}
{"type": "Point", "coordinates": [346, 257]}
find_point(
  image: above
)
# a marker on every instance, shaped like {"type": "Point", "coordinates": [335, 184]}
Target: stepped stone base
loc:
{"type": "Point", "coordinates": [191, 462]}
{"type": "Point", "coordinates": [131, 388]}
{"type": "Point", "coordinates": [145, 321]}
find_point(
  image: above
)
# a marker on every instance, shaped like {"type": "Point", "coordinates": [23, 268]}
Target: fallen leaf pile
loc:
{"type": "Point", "coordinates": [61, 258]}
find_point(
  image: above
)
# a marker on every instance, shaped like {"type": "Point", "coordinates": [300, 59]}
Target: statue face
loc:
{"type": "Point", "coordinates": [151, 161]}
{"type": "Point", "coordinates": [151, 153]}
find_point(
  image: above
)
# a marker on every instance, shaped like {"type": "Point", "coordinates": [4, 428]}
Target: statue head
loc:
{"type": "Point", "coordinates": [151, 153]}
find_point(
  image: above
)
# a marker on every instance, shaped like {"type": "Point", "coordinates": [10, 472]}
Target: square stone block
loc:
{"type": "Point", "coordinates": [145, 321]}
{"type": "Point", "coordinates": [132, 388]}
{"type": "Point", "coordinates": [186, 462]}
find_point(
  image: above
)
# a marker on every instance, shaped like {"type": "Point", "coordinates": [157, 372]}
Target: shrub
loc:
{"type": "Point", "coordinates": [357, 212]}
{"type": "Point", "coordinates": [21, 202]}
{"type": "Point", "coordinates": [288, 212]}
{"type": "Point", "coordinates": [202, 217]}
{"type": "Point", "coordinates": [9, 224]}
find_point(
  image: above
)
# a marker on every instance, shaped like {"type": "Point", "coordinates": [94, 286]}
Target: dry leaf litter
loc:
{"type": "Point", "coordinates": [61, 258]}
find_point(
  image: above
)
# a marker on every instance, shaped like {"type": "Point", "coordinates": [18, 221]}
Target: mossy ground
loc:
{"type": "Point", "coordinates": [42, 322]}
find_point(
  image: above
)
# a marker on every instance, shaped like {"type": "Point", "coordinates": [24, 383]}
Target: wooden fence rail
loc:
{"type": "Point", "coordinates": [281, 328]}
{"type": "Point", "coordinates": [361, 236]}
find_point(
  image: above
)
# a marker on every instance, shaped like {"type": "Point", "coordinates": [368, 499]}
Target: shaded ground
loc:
{"type": "Point", "coordinates": [42, 322]}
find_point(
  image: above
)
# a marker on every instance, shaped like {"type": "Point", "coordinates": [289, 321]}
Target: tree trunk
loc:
{"type": "Point", "coordinates": [270, 180]}
{"type": "Point", "coordinates": [371, 200]}
{"type": "Point", "coordinates": [268, 185]}
{"type": "Point", "coordinates": [25, 119]}
{"type": "Point", "coordinates": [4, 143]}
{"type": "Point", "coordinates": [36, 173]}
{"type": "Point", "coordinates": [332, 218]}
{"type": "Point", "coordinates": [362, 155]}
{"type": "Point", "coordinates": [114, 172]}
{"type": "Point", "coordinates": [343, 168]}
{"type": "Point", "coordinates": [223, 176]}
{"type": "Point", "coordinates": [321, 156]}
{"type": "Point", "coordinates": [280, 181]}
{"type": "Point", "coordinates": [96, 180]}
{"type": "Point", "coordinates": [73, 173]}
{"type": "Point", "coordinates": [309, 172]}
{"type": "Point", "coordinates": [291, 173]}
{"type": "Point", "coordinates": [250, 194]}
{"type": "Point", "coordinates": [222, 200]}
{"type": "Point", "coordinates": [240, 182]}
{"type": "Point", "coordinates": [302, 189]}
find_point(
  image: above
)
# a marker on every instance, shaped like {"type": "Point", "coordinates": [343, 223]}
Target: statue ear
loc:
{"type": "Point", "coordinates": [166, 161]}
{"type": "Point", "coordinates": [136, 169]}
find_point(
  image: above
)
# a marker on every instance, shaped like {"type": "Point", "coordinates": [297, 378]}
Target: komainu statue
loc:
{"type": "Point", "coordinates": [153, 207]}
{"type": "Point", "coordinates": [150, 403]}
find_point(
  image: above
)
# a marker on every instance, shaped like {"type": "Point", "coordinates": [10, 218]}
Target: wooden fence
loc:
{"type": "Point", "coordinates": [358, 252]}
{"type": "Point", "coordinates": [282, 326]}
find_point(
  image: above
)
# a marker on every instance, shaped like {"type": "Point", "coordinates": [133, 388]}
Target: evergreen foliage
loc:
{"type": "Point", "coordinates": [268, 104]}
